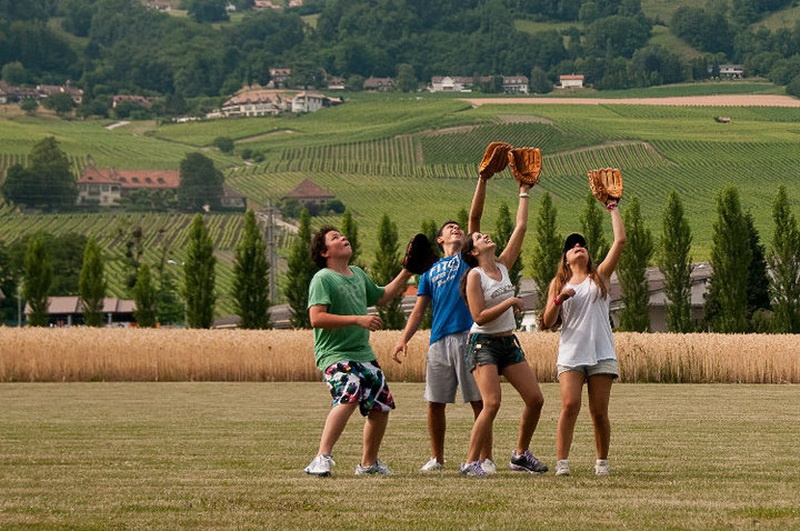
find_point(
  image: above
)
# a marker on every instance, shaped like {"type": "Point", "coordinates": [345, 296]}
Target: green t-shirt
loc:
{"type": "Point", "coordinates": [342, 295]}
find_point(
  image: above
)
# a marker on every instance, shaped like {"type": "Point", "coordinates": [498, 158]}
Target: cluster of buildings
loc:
{"type": "Point", "coordinates": [107, 187]}
{"type": "Point", "coordinates": [17, 94]}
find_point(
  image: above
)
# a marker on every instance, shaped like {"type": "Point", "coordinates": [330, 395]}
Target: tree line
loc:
{"type": "Point", "coordinates": [42, 266]}
{"type": "Point", "coordinates": [187, 64]}
{"type": "Point", "coordinates": [750, 290]}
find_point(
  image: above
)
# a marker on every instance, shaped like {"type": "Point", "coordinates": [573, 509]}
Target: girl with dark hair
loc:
{"type": "Point", "coordinates": [579, 298]}
{"type": "Point", "coordinates": [494, 350]}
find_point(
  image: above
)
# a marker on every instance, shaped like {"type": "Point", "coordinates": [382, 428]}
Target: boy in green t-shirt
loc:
{"type": "Point", "coordinates": [338, 298]}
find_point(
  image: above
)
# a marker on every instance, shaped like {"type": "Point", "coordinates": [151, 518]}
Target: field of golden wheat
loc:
{"type": "Point", "coordinates": [84, 355]}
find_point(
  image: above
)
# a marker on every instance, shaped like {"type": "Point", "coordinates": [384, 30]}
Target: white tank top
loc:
{"type": "Point", "coordinates": [495, 292]}
{"type": "Point", "coordinates": [586, 336]}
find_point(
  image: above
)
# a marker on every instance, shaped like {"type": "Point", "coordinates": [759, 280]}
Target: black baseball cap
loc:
{"type": "Point", "coordinates": [572, 239]}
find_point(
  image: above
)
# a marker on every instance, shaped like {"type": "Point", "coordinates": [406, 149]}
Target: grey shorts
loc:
{"type": "Point", "coordinates": [601, 367]}
{"type": "Point", "coordinates": [446, 370]}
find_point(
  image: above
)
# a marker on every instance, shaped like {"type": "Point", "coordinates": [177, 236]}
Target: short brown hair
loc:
{"type": "Point", "coordinates": [318, 245]}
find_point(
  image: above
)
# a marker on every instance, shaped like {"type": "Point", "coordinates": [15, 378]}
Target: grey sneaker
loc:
{"type": "Point", "coordinates": [602, 468]}
{"type": "Point", "coordinates": [472, 469]}
{"type": "Point", "coordinates": [377, 468]}
{"type": "Point", "coordinates": [562, 467]}
{"type": "Point", "coordinates": [527, 463]}
{"type": "Point", "coordinates": [488, 466]}
{"type": "Point", "coordinates": [432, 466]}
{"type": "Point", "coordinates": [320, 466]}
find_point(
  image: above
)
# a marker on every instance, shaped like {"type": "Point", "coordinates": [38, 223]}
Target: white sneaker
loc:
{"type": "Point", "coordinates": [562, 467]}
{"type": "Point", "coordinates": [602, 468]}
{"type": "Point", "coordinates": [320, 466]}
{"type": "Point", "coordinates": [432, 466]}
{"type": "Point", "coordinates": [378, 468]}
{"type": "Point", "coordinates": [488, 466]}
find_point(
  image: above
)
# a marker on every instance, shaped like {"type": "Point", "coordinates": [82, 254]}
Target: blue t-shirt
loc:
{"type": "Point", "coordinates": [440, 283]}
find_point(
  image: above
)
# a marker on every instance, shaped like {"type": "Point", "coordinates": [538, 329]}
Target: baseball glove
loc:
{"type": "Point", "coordinates": [525, 164]}
{"type": "Point", "coordinates": [495, 159]}
{"type": "Point", "coordinates": [606, 184]}
{"type": "Point", "coordinates": [420, 255]}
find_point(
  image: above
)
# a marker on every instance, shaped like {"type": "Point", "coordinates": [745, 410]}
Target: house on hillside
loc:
{"type": "Point", "coordinates": [312, 102]}
{"type": "Point", "coordinates": [310, 195]}
{"type": "Point", "coordinates": [135, 99]}
{"type": "Point", "coordinates": [730, 71]}
{"type": "Point", "coordinates": [380, 84]}
{"type": "Point", "coordinates": [510, 84]}
{"type": "Point", "coordinates": [68, 311]}
{"type": "Point", "coordinates": [252, 102]}
{"type": "Point", "coordinates": [278, 77]}
{"type": "Point", "coordinates": [232, 200]}
{"type": "Point", "coordinates": [106, 187]}
{"type": "Point", "coordinates": [570, 81]}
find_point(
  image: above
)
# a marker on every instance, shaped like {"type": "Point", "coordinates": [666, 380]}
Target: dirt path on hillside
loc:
{"type": "Point", "coordinates": [724, 100]}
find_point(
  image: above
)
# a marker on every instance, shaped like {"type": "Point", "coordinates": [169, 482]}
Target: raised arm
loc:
{"type": "Point", "coordinates": [514, 245]}
{"type": "Point", "coordinates": [476, 209]}
{"type": "Point", "coordinates": [609, 264]}
{"type": "Point", "coordinates": [395, 287]}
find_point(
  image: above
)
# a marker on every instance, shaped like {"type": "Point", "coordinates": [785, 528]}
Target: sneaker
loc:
{"type": "Point", "coordinates": [432, 466]}
{"type": "Point", "coordinates": [527, 463]}
{"type": "Point", "coordinates": [375, 469]}
{"type": "Point", "coordinates": [472, 469]}
{"type": "Point", "coordinates": [488, 466]}
{"type": "Point", "coordinates": [320, 466]}
{"type": "Point", "coordinates": [602, 468]}
{"type": "Point", "coordinates": [562, 467]}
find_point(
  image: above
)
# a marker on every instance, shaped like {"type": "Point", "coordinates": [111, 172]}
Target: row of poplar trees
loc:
{"type": "Point", "coordinates": [750, 290]}
{"type": "Point", "coordinates": [149, 285]}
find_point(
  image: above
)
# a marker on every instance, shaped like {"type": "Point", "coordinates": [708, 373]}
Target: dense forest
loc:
{"type": "Point", "coordinates": [109, 47]}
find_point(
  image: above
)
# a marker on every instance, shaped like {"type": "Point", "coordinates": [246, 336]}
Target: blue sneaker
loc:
{"type": "Point", "coordinates": [527, 462]}
{"type": "Point", "coordinates": [472, 469]}
{"type": "Point", "coordinates": [377, 468]}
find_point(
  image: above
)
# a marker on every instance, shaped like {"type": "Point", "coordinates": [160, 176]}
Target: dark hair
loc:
{"type": "Point", "coordinates": [318, 246]}
{"type": "Point", "coordinates": [471, 261]}
{"type": "Point", "coordinates": [441, 230]}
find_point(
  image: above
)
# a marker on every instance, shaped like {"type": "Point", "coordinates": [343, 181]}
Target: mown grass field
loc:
{"type": "Point", "coordinates": [414, 157]}
{"type": "Point", "coordinates": [231, 456]}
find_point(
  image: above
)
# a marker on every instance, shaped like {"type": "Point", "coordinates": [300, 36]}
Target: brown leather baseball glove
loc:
{"type": "Point", "coordinates": [606, 184]}
{"type": "Point", "coordinates": [525, 164]}
{"type": "Point", "coordinates": [495, 159]}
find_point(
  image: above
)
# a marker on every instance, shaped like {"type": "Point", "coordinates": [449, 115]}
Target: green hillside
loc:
{"type": "Point", "coordinates": [414, 158]}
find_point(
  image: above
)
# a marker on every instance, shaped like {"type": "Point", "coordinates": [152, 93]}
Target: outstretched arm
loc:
{"type": "Point", "coordinates": [395, 287]}
{"type": "Point", "coordinates": [514, 245]}
{"type": "Point", "coordinates": [476, 209]}
{"type": "Point", "coordinates": [609, 264]}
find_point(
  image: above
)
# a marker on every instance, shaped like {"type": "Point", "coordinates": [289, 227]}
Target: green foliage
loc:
{"type": "Point", "coordinates": [146, 297]}
{"type": "Point", "coordinates": [635, 316]}
{"type": "Point", "coordinates": [92, 284]}
{"type": "Point", "coordinates": [251, 281]}
{"type": "Point", "coordinates": [350, 230]}
{"type": "Point", "coordinates": [385, 267]}
{"type": "Point", "coordinates": [224, 144]}
{"type": "Point", "coordinates": [547, 248]}
{"type": "Point", "coordinates": [300, 270]}
{"type": "Point", "coordinates": [726, 308]}
{"type": "Point", "coordinates": [784, 264]}
{"type": "Point", "coordinates": [201, 183]}
{"type": "Point", "coordinates": [757, 277]}
{"type": "Point", "coordinates": [38, 278]}
{"type": "Point", "coordinates": [199, 285]}
{"type": "Point", "coordinates": [591, 219]}
{"type": "Point", "coordinates": [47, 181]}
{"type": "Point", "coordinates": [675, 262]}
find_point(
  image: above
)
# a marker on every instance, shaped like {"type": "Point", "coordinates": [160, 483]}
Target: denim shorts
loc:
{"type": "Point", "coordinates": [485, 349]}
{"type": "Point", "coordinates": [350, 381]}
{"type": "Point", "coordinates": [601, 367]}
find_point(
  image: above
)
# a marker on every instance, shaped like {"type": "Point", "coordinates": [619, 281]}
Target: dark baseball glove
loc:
{"type": "Point", "coordinates": [420, 255]}
{"type": "Point", "coordinates": [606, 184]}
{"type": "Point", "coordinates": [525, 164]}
{"type": "Point", "coordinates": [495, 159]}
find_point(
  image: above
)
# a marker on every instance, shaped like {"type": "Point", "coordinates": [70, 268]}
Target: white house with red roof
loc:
{"type": "Point", "coordinates": [105, 187]}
